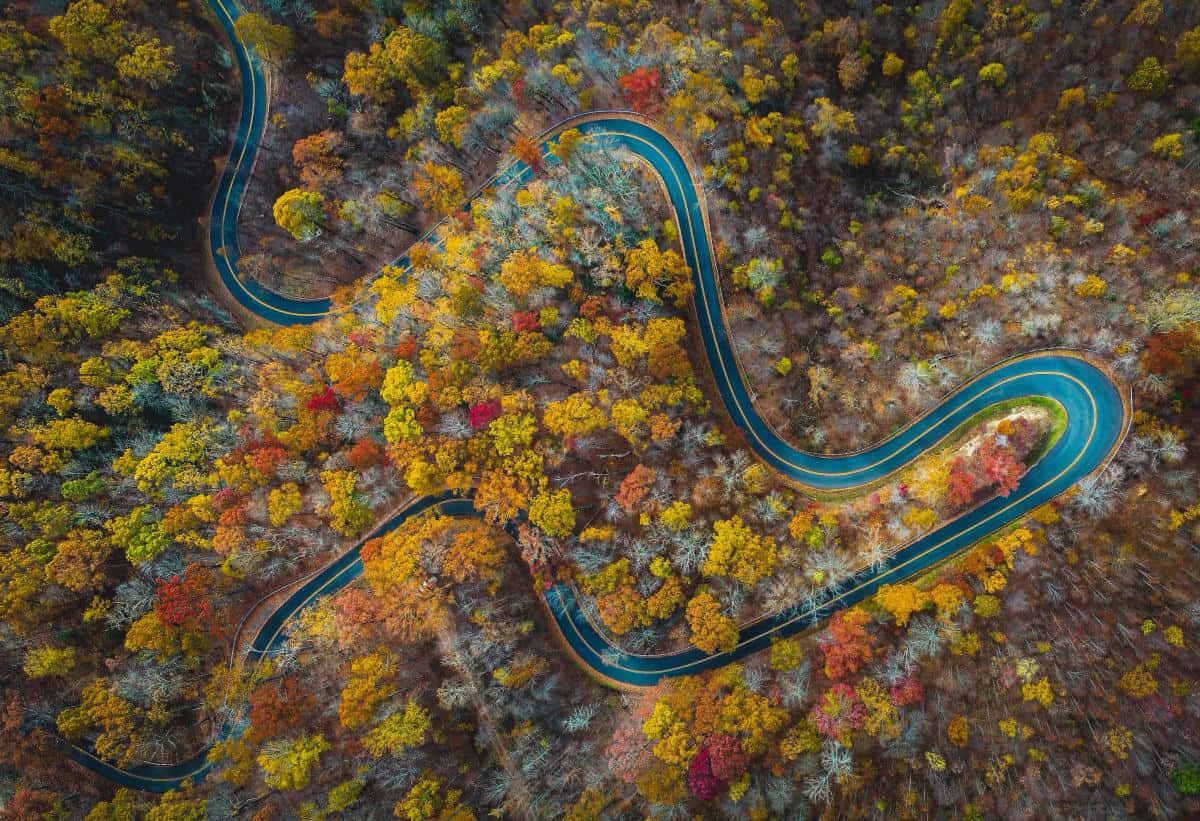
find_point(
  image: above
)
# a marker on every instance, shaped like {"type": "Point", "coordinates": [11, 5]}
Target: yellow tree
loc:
{"type": "Point", "coordinates": [406, 57]}
{"type": "Point", "coordinates": [946, 598]}
{"type": "Point", "coordinates": [283, 502]}
{"type": "Point", "coordinates": [1187, 48]}
{"type": "Point", "coordinates": [500, 497]}
{"type": "Point", "coordinates": [474, 552]}
{"type": "Point", "coordinates": [49, 661]}
{"type": "Point", "coordinates": [427, 801]}
{"type": "Point", "coordinates": [149, 63]}
{"type": "Point", "coordinates": [573, 416]}
{"type": "Point", "coordinates": [711, 629]}
{"type": "Point", "coordinates": [288, 765]}
{"type": "Point", "coordinates": [367, 688]}
{"type": "Point", "coordinates": [439, 187]}
{"type": "Point", "coordinates": [552, 512]}
{"type": "Point", "coordinates": [300, 213]}
{"type": "Point", "coordinates": [752, 717]}
{"type": "Point", "coordinates": [525, 270]}
{"type": "Point", "coordinates": [567, 144]}
{"type": "Point", "coordinates": [272, 40]}
{"type": "Point", "coordinates": [348, 514]}
{"type": "Point", "coordinates": [665, 357]}
{"type": "Point", "coordinates": [116, 719]}
{"type": "Point", "coordinates": [901, 600]}
{"type": "Point", "coordinates": [90, 30]}
{"type": "Point", "coordinates": [738, 552]}
{"type": "Point", "coordinates": [79, 559]}
{"type": "Point", "coordinates": [452, 125]}
{"type": "Point", "coordinates": [654, 274]}
{"type": "Point", "coordinates": [402, 730]}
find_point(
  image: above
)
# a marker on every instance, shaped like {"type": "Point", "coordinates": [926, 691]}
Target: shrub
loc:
{"type": "Point", "coordinates": [1187, 49]}
{"type": "Point", "coordinates": [1149, 78]}
{"type": "Point", "coordinates": [1168, 146]}
{"type": "Point", "coordinates": [1187, 778]}
{"type": "Point", "coordinates": [993, 74]}
{"type": "Point", "coordinates": [1070, 98]}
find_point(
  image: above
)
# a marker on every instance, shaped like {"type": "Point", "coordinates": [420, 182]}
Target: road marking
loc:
{"type": "Point", "coordinates": [561, 608]}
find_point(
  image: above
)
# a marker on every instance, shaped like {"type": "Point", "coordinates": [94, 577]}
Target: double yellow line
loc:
{"type": "Point", "coordinates": [644, 154]}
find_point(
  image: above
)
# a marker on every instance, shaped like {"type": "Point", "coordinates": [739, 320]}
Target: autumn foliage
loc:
{"type": "Point", "coordinates": [325, 400]}
{"type": "Point", "coordinates": [278, 707]}
{"type": "Point", "coordinates": [184, 601]}
{"type": "Point", "coordinates": [640, 89]}
{"type": "Point", "coordinates": [849, 644]}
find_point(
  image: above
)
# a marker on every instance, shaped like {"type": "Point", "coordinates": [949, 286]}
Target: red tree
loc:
{"type": "Point", "coordinates": [406, 348]}
{"type": "Point", "coordinates": [960, 484]}
{"type": "Point", "coordinates": [28, 804]}
{"type": "Point", "coordinates": [701, 781]}
{"type": "Point", "coordinates": [276, 708]}
{"type": "Point", "coordinates": [726, 759]}
{"type": "Point", "coordinates": [635, 488]}
{"type": "Point", "coordinates": [366, 453]}
{"type": "Point", "coordinates": [482, 414]}
{"type": "Point", "coordinates": [528, 151]}
{"type": "Point", "coordinates": [357, 612]}
{"type": "Point", "coordinates": [849, 644]}
{"type": "Point", "coordinates": [226, 498]}
{"type": "Point", "coordinates": [1168, 353]}
{"type": "Point", "coordinates": [641, 89]}
{"type": "Point", "coordinates": [526, 321]}
{"type": "Point", "coordinates": [267, 457]}
{"type": "Point", "coordinates": [907, 691]}
{"type": "Point", "coordinates": [1000, 465]}
{"type": "Point", "coordinates": [1022, 434]}
{"type": "Point", "coordinates": [628, 754]}
{"type": "Point", "coordinates": [234, 516]}
{"type": "Point", "coordinates": [593, 307]}
{"type": "Point", "coordinates": [839, 711]}
{"type": "Point", "coordinates": [326, 400]}
{"type": "Point", "coordinates": [183, 602]}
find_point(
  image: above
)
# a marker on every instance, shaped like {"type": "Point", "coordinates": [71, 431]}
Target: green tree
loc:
{"type": "Point", "coordinates": [139, 534]}
{"type": "Point", "coordinates": [343, 796]}
{"type": "Point", "coordinates": [1187, 778]}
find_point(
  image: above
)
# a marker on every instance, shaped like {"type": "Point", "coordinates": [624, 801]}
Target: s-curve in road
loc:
{"type": "Point", "coordinates": [1096, 413]}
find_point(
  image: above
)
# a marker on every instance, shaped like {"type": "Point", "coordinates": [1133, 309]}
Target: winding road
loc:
{"type": "Point", "coordinates": [1097, 414]}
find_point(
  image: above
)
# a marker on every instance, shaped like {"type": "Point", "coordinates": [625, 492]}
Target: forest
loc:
{"type": "Point", "coordinates": [218, 558]}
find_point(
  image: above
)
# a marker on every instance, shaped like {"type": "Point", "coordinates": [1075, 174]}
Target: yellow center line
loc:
{"type": "Point", "coordinates": [749, 414]}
